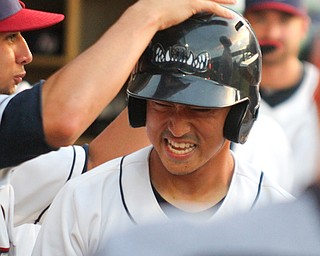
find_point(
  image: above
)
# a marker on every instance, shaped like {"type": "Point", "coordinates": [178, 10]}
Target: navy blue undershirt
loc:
{"type": "Point", "coordinates": [21, 125]}
{"type": "Point", "coordinates": [173, 212]}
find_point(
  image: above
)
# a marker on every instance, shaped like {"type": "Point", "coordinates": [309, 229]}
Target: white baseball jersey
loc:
{"type": "Point", "coordinates": [269, 150]}
{"type": "Point", "coordinates": [299, 119]}
{"type": "Point", "coordinates": [118, 195]}
{"type": "Point", "coordinates": [26, 192]}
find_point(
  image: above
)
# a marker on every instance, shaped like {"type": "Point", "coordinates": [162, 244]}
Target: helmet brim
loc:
{"type": "Point", "coordinates": [182, 89]}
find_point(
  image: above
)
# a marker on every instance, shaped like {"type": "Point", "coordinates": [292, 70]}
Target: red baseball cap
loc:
{"type": "Point", "coordinates": [294, 7]}
{"type": "Point", "coordinates": [14, 17]}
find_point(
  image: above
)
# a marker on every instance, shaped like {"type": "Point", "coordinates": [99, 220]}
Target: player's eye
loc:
{"type": "Point", "coordinates": [201, 109]}
{"type": "Point", "coordinates": [161, 106]}
{"type": "Point", "coordinates": [12, 37]}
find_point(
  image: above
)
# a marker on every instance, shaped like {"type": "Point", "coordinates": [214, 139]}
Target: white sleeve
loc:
{"type": "Point", "coordinates": [36, 182]}
{"type": "Point", "coordinates": [4, 100]}
{"type": "Point", "coordinates": [62, 220]}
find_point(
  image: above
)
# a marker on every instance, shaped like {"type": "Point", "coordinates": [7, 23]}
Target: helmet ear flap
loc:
{"type": "Point", "coordinates": [233, 125]}
{"type": "Point", "coordinates": [137, 109]}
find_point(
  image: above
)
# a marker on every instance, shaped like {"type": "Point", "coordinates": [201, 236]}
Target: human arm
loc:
{"type": "Point", "coordinates": [116, 140]}
{"type": "Point", "coordinates": [75, 95]}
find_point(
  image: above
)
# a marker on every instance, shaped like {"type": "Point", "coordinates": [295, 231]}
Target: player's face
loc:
{"type": "Point", "coordinates": [185, 138]}
{"type": "Point", "coordinates": [14, 54]}
{"type": "Point", "coordinates": [284, 30]}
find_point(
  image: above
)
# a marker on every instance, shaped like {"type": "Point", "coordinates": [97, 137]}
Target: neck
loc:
{"type": "Point", "coordinates": [196, 191]}
{"type": "Point", "coordinates": [281, 75]}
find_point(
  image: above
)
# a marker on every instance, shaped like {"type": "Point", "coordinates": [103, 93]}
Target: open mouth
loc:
{"type": "Point", "coordinates": [180, 148]}
{"type": "Point", "coordinates": [268, 46]}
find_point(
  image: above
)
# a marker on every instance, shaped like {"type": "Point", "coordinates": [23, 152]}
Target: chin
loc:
{"type": "Point", "coordinates": [176, 171]}
{"type": "Point", "coordinates": [8, 91]}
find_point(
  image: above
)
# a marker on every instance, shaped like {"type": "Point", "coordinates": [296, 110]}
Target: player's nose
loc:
{"type": "Point", "coordinates": [179, 123]}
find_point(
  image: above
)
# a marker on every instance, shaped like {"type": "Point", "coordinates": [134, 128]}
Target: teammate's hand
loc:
{"type": "Point", "coordinates": [171, 12]}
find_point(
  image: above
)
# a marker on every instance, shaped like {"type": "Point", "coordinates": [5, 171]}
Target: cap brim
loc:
{"type": "Point", "coordinates": [27, 19]}
{"type": "Point", "coordinates": [282, 7]}
{"type": "Point", "coordinates": [188, 90]}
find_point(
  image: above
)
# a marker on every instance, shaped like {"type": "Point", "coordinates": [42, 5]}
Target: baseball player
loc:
{"type": "Point", "coordinates": [288, 85]}
{"type": "Point", "coordinates": [196, 90]}
{"type": "Point", "coordinates": [54, 113]}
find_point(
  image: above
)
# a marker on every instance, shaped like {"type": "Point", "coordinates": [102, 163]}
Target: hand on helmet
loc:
{"type": "Point", "coordinates": [171, 12]}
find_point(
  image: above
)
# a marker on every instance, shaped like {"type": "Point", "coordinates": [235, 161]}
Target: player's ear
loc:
{"type": "Point", "coordinates": [137, 112]}
{"type": "Point", "coordinates": [305, 26]}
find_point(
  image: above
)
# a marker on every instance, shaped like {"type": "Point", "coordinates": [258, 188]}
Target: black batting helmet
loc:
{"type": "Point", "coordinates": [206, 61]}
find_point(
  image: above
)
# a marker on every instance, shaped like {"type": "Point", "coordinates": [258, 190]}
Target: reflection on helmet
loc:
{"type": "Point", "coordinates": [206, 61]}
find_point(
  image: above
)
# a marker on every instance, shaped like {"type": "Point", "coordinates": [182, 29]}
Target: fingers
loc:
{"type": "Point", "coordinates": [167, 13]}
{"type": "Point", "coordinates": [225, 1]}
{"type": "Point", "coordinates": [216, 8]}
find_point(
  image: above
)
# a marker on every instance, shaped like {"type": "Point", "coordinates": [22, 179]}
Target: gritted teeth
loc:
{"type": "Point", "coordinates": [180, 145]}
{"type": "Point", "coordinates": [180, 148]}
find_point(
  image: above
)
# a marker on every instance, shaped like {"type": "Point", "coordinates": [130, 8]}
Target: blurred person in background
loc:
{"type": "Point", "coordinates": [288, 85]}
